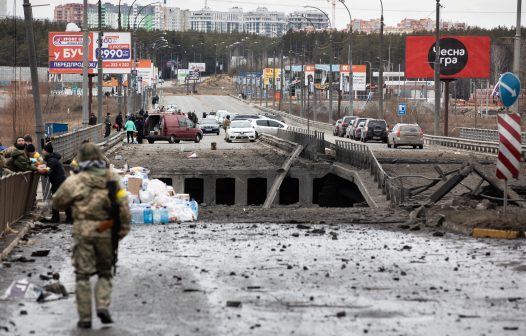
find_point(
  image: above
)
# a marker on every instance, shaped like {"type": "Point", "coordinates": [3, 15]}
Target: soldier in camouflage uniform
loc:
{"type": "Point", "coordinates": [87, 194]}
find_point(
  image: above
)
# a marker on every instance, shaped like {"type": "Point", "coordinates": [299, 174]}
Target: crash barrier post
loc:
{"type": "Point", "coordinates": [361, 156]}
{"type": "Point", "coordinates": [313, 142]}
{"type": "Point", "coordinates": [483, 134]}
{"type": "Point", "coordinates": [67, 145]}
{"type": "Point", "coordinates": [17, 197]}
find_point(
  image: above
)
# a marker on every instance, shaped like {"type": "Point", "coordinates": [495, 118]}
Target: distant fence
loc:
{"type": "Point", "coordinates": [313, 142]}
{"type": "Point", "coordinates": [17, 196]}
{"type": "Point", "coordinates": [483, 134]}
{"type": "Point", "coordinates": [361, 156]}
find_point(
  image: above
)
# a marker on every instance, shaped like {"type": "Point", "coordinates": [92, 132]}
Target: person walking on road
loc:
{"type": "Point", "coordinates": [139, 124]}
{"type": "Point", "coordinates": [226, 124]}
{"type": "Point", "coordinates": [57, 176]}
{"type": "Point", "coordinates": [92, 121]}
{"type": "Point", "coordinates": [107, 125]}
{"type": "Point", "coordinates": [101, 218]}
{"type": "Point", "coordinates": [119, 122]}
{"type": "Point", "coordinates": [130, 129]}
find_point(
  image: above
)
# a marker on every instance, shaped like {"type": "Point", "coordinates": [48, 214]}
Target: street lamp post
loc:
{"type": "Point", "coordinates": [370, 75]}
{"type": "Point", "coordinates": [381, 70]}
{"type": "Point", "coordinates": [351, 89]}
{"type": "Point", "coordinates": [330, 61]}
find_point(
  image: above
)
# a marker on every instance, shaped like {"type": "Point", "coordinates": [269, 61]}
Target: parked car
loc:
{"type": "Point", "coordinates": [275, 117]}
{"type": "Point", "coordinates": [346, 121]}
{"type": "Point", "coordinates": [337, 126]}
{"type": "Point", "coordinates": [247, 117]}
{"type": "Point", "coordinates": [240, 130]}
{"type": "Point", "coordinates": [171, 127]}
{"type": "Point", "coordinates": [209, 125]}
{"type": "Point", "coordinates": [406, 135]}
{"type": "Point", "coordinates": [358, 130]}
{"type": "Point", "coordinates": [268, 126]}
{"type": "Point", "coordinates": [374, 129]}
{"type": "Point", "coordinates": [350, 132]}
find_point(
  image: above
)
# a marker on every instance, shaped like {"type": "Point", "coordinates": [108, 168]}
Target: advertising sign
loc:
{"type": "Point", "coordinates": [200, 67]}
{"type": "Point", "coordinates": [65, 53]}
{"type": "Point", "coordinates": [116, 52]}
{"type": "Point", "coordinates": [460, 56]}
{"type": "Point", "coordinates": [359, 74]}
{"type": "Point", "coordinates": [145, 71]}
{"type": "Point", "coordinates": [327, 67]}
{"type": "Point", "coordinates": [269, 74]}
{"type": "Point", "coordinates": [309, 74]}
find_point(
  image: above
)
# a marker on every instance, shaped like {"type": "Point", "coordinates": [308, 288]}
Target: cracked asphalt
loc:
{"type": "Point", "coordinates": [284, 279]}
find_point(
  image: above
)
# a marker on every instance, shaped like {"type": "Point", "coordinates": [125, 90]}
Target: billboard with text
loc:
{"type": "Point", "coordinates": [460, 56]}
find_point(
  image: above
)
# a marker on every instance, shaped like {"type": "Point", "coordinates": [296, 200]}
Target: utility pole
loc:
{"type": "Point", "coordinates": [99, 66]}
{"type": "Point", "coordinates": [381, 67]}
{"type": "Point", "coordinates": [330, 77]}
{"type": "Point", "coordinates": [39, 127]}
{"type": "Point", "coordinates": [349, 59]}
{"type": "Point", "coordinates": [517, 51]}
{"type": "Point", "coordinates": [282, 76]}
{"type": "Point", "coordinates": [119, 77]}
{"type": "Point", "coordinates": [436, 128]}
{"type": "Point", "coordinates": [85, 65]}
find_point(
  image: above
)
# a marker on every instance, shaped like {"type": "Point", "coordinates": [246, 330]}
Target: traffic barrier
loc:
{"type": "Point", "coordinates": [483, 134]}
{"type": "Point", "coordinates": [362, 156]}
{"type": "Point", "coordinates": [313, 142]}
{"type": "Point", "coordinates": [17, 197]}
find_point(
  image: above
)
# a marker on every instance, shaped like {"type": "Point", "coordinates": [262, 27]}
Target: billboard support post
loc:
{"type": "Point", "coordinates": [517, 50]}
{"type": "Point", "coordinates": [436, 128]}
{"type": "Point", "coordinates": [99, 65]}
{"type": "Point", "coordinates": [85, 65]}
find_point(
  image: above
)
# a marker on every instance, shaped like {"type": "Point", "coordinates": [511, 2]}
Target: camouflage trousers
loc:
{"type": "Point", "coordinates": [92, 255]}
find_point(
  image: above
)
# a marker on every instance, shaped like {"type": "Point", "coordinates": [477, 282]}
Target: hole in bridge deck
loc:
{"type": "Point", "coordinates": [333, 191]}
{"type": "Point", "coordinates": [166, 180]}
{"type": "Point", "coordinates": [256, 191]}
{"type": "Point", "coordinates": [226, 191]}
{"type": "Point", "coordinates": [289, 192]}
{"type": "Point", "coordinates": [194, 187]}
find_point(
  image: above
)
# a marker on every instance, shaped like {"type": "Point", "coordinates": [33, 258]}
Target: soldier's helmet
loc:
{"type": "Point", "coordinates": [90, 152]}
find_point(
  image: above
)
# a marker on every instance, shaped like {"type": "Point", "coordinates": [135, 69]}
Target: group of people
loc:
{"type": "Point", "coordinates": [94, 202]}
{"type": "Point", "coordinates": [134, 125]}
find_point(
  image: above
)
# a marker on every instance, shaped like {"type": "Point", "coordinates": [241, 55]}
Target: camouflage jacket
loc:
{"type": "Point", "coordinates": [3, 168]}
{"type": "Point", "coordinates": [87, 195]}
{"type": "Point", "coordinates": [18, 160]}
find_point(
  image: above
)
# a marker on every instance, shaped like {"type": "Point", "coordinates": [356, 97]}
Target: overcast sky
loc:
{"type": "Point", "coordinates": [482, 13]}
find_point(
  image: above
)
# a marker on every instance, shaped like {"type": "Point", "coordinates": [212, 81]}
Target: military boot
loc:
{"type": "Point", "coordinates": [104, 316]}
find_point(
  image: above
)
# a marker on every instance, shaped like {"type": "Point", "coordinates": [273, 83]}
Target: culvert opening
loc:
{"type": "Point", "coordinates": [333, 191]}
{"type": "Point", "coordinates": [166, 180]}
{"type": "Point", "coordinates": [194, 187]}
{"type": "Point", "coordinates": [289, 192]}
{"type": "Point", "coordinates": [226, 191]}
{"type": "Point", "coordinates": [256, 191]}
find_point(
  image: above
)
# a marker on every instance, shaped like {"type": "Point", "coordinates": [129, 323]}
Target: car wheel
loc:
{"type": "Point", "coordinates": [388, 145]}
{"type": "Point", "coordinates": [197, 138]}
{"type": "Point", "coordinates": [395, 145]}
{"type": "Point", "coordinates": [177, 141]}
{"type": "Point", "coordinates": [414, 146]}
{"type": "Point", "coordinates": [257, 135]}
{"type": "Point", "coordinates": [151, 141]}
{"type": "Point", "coordinates": [421, 146]}
{"type": "Point", "coordinates": [172, 139]}
{"type": "Point", "coordinates": [217, 133]}
{"type": "Point", "coordinates": [364, 139]}
{"type": "Point", "coordinates": [252, 140]}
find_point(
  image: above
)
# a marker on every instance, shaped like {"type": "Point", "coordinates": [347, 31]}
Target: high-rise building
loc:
{"type": "Point", "coordinates": [3, 8]}
{"type": "Point", "coordinates": [265, 23]}
{"type": "Point", "coordinates": [209, 21]}
{"type": "Point", "coordinates": [307, 19]}
{"type": "Point", "coordinates": [68, 13]}
{"type": "Point", "coordinates": [171, 18]}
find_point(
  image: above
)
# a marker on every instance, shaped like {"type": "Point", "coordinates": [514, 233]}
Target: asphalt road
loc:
{"type": "Point", "coordinates": [177, 280]}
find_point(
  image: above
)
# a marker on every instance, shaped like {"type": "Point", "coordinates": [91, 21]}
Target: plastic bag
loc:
{"type": "Point", "coordinates": [146, 196]}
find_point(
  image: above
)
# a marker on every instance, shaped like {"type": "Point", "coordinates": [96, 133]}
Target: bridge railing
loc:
{"type": "Point", "coordinates": [361, 156]}
{"type": "Point", "coordinates": [313, 142]}
{"type": "Point", "coordinates": [17, 197]}
{"type": "Point", "coordinates": [483, 134]}
{"type": "Point", "coordinates": [67, 145]}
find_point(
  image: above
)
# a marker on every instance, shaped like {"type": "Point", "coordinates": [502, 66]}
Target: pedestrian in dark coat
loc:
{"type": "Point", "coordinates": [139, 124]}
{"type": "Point", "coordinates": [107, 125]}
{"type": "Point", "coordinates": [57, 176]}
{"type": "Point", "coordinates": [119, 121]}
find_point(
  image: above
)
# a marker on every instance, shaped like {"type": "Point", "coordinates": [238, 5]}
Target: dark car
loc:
{"type": "Point", "coordinates": [209, 125]}
{"type": "Point", "coordinates": [171, 127]}
{"type": "Point", "coordinates": [374, 129]}
{"type": "Point", "coordinates": [247, 117]}
{"type": "Point", "coordinates": [346, 121]}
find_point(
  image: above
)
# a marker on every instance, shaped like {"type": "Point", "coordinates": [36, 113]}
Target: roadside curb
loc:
{"type": "Point", "coordinates": [27, 225]}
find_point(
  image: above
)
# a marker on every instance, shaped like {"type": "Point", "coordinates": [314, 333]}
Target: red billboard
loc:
{"type": "Point", "coordinates": [460, 56]}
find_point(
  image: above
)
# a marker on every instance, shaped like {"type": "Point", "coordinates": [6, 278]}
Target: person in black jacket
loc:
{"type": "Point", "coordinates": [119, 121]}
{"type": "Point", "coordinates": [139, 124]}
{"type": "Point", "coordinates": [57, 176]}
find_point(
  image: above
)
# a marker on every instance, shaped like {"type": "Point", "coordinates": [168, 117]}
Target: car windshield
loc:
{"type": "Point", "coordinates": [240, 124]}
{"type": "Point", "coordinates": [377, 123]}
{"type": "Point", "coordinates": [208, 121]}
{"type": "Point", "coordinates": [410, 128]}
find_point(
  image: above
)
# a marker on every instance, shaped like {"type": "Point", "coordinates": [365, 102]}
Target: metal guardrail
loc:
{"type": "Point", "coordinates": [466, 144]}
{"type": "Point", "coordinates": [313, 142]}
{"type": "Point", "coordinates": [483, 134]}
{"type": "Point", "coordinates": [67, 145]}
{"type": "Point", "coordinates": [17, 197]}
{"type": "Point", "coordinates": [362, 156]}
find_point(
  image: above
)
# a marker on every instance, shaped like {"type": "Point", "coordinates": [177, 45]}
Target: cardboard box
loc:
{"type": "Point", "coordinates": [134, 185]}
{"type": "Point", "coordinates": [184, 197]}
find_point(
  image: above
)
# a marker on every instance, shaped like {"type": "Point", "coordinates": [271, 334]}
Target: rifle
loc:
{"type": "Point", "coordinates": [116, 218]}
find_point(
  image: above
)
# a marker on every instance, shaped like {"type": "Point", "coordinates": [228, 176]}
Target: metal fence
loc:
{"type": "Point", "coordinates": [361, 156]}
{"type": "Point", "coordinates": [483, 134]}
{"type": "Point", "coordinates": [17, 196]}
{"type": "Point", "coordinates": [68, 144]}
{"type": "Point", "coordinates": [313, 142]}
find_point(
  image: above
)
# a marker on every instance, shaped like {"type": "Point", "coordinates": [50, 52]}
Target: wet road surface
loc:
{"type": "Point", "coordinates": [289, 280]}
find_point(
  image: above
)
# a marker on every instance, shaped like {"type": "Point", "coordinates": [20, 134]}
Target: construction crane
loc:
{"type": "Point", "coordinates": [333, 20]}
